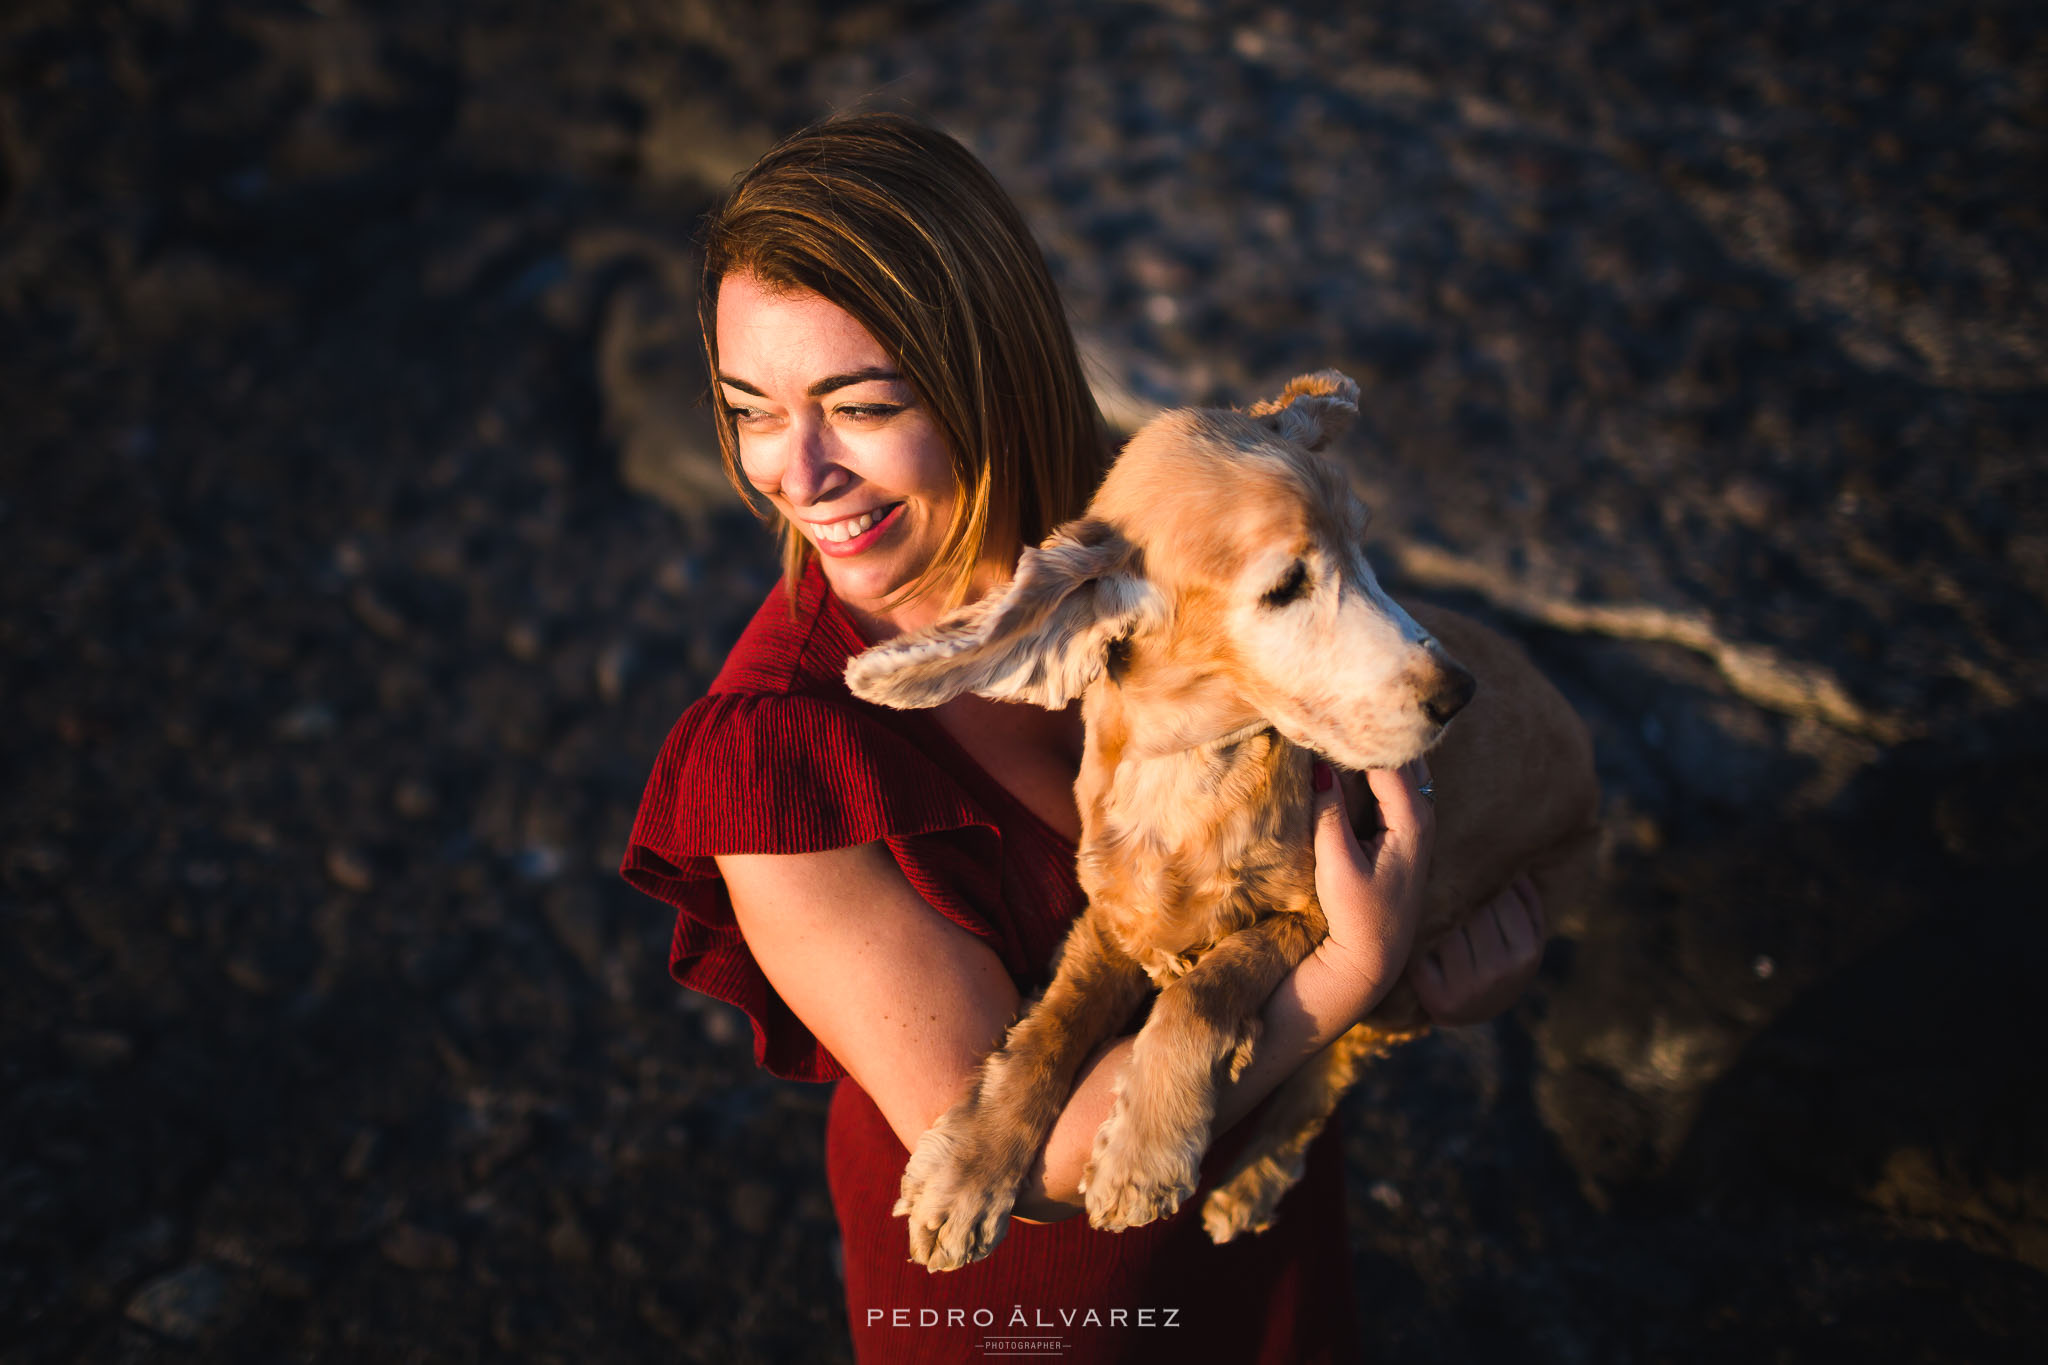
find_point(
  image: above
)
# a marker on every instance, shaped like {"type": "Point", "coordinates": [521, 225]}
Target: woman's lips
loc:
{"type": "Point", "coordinates": [840, 549]}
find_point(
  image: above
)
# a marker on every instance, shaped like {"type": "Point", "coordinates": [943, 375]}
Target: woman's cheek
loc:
{"type": "Point", "coordinates": [756, 467]}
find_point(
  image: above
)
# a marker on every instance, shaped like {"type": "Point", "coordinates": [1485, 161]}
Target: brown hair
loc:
{"type": "Point", "coordinates": [900, 226]}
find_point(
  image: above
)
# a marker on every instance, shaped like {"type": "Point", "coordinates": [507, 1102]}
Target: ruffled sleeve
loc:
{"type": "Point", "coordinates": [747, 773]}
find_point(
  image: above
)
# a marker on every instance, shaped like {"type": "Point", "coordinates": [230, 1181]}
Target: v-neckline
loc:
{"type": "Point", "coordinates": [928, 718]}
{"type": "Point", "coordinates": [969, 761]}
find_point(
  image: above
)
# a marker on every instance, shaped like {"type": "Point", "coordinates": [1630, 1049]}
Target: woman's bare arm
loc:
{"type": "Point", "coordinates": [906, 1000]}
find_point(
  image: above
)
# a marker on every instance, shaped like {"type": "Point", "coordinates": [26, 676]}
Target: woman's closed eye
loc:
{"type": "Point", "coordinates": [868, 412]}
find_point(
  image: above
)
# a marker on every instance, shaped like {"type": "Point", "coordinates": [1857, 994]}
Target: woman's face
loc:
{"type": "Point", "coordinates": [835, 438]}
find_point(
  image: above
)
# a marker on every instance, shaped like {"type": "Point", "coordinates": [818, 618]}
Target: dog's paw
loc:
{"type": "Point", "coordinates": [1246, 1202]}
{"type": "Point", "coordinates": [1225, 1214]}
{"type": "Point", "coordinates": [1133, 1179]}
{"type": "Point", "coordinates": [957, 1202]}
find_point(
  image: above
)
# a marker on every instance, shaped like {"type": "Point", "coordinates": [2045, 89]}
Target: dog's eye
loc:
{"type": "Point", "coordinates": [1118, 660]}
{"type": "Point", "coordinates": [1290, 587]}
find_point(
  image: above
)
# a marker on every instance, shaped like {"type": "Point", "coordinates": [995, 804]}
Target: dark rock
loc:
{"type": "Point", "coordinates": [307, 720]}
{"type": "Point", "coordinates": [415, 798]}
{"type": "Point", "coordinates": [180, 1305]}
{"type": "Point", "coordinates": [567, 1241]}
{"type": "Point", "coordinates": [127, 1256]}
{"type": "Point", "coordinates": [412, 1247]}
{"type": "Point", "coordinates": [651, 376]}
{"type": "Point", "coordinates": [361, 1154]}
{"type": "Point", "coordinates": [98, 1048]}
{"type": "Point", "coordinates": [287, 1276]}
{"type": "Point", "coordinates": [616, 664]}
{"type": "Point", "coordinates": [350, 868]}
{"type": "Point", "coordinates": [524, 641]}
{"type": "Point", "coordinates": [379, 615]}
{"type": "Point", "coordinates": [625, 1260]}
{"type": "Point", "coordinates": [752, 1205]}
{"type": "Point", "coordinates": [576, 916]}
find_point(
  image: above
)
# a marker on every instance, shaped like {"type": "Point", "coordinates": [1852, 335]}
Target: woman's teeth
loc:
{"type": "Point", "coordinates": [847, 530]}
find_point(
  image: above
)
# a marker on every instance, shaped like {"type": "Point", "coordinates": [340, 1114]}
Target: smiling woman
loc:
{"type": "Point", "coordinates": [871, 247]}
{"type": "Point", "coordinates": [835, 438]}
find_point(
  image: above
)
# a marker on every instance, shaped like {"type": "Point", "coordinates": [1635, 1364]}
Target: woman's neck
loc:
{"type": "Point", "coordinates": [878, 623]}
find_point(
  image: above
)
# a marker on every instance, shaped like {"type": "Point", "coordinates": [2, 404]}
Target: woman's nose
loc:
{"type": "Point", "coordinates": [810, 469]}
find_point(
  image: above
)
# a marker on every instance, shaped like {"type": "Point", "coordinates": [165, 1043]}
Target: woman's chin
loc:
{"type": "Point", "coordinates": [865, 581]}
{"type": "Point", "coordinates": [866, 570]}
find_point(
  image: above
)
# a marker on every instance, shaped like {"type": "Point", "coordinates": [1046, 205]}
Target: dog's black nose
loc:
{"type": "Point", "coordinates": [1447, 696]}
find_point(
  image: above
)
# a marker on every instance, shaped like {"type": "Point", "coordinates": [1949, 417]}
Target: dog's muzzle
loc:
{"type": "Point", "coordinates": [1448, 693]}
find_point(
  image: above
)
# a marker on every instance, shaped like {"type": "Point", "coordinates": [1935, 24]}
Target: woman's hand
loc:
{"type": "Point", "coordinates": [1484, 965]}
{"type": "Point", "coordinates": [1371, 889]}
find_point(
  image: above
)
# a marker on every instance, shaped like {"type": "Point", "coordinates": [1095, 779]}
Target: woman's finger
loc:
{"type": "Point", "coordinates": [1506, 910]}
{"type": "Point", "coordinates": [1407, 814]}
{"type": "Point", "coordinates": [1450, 975]}
{"type": "Point", "coordinates": [1517, 923]}
{"type": "Point", "coordinates": [1471, 955]}
{"type": "Point", "coordinates": [1334, 837]}
{"type": "Point", "coordinates": [1535, 903]}
{"type": "Point", "coordinates": [1432, 968]}
{"type": "Point", "coordinates": [1426, 977]}
{"type": "Point", "coordinates": [1500, 952]}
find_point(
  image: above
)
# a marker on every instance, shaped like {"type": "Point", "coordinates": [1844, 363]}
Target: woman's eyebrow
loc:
{"type": "Point", "coordinates": [839, 381]}
{"type": "Point", "coordinates": [871, 374]}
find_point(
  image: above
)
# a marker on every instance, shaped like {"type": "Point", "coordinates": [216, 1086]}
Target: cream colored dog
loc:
{"type": "Point", "coordinates": [1216, 614]}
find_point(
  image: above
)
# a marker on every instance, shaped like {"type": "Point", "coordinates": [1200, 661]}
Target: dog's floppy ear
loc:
{"type": "Point", "coordinates": [1312, 411]}
{"type": "Point", "coordinates": [1043, 639]}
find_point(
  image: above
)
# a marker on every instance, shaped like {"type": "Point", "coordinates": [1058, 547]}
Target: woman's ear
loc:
{"type": "Point", "coordinates": [1312, 411]}
{"type": "Point", "coordinates": [1042, 640]}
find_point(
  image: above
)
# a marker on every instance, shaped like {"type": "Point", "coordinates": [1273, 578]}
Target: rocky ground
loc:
{"type": "Point", "coordinates": [362, 542]}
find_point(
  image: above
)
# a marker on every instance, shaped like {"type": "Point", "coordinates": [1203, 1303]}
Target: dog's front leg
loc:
{"type": "Point", "coordinates": [1148, 1153]}
{"type": "Point", "coordinates": [1272, 1159]}
{"type": "Point", "coordinates": [964, 1176]}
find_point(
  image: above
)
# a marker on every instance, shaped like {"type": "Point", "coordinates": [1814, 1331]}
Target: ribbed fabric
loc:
{"type": "Point", "coordinates": [779, 757]}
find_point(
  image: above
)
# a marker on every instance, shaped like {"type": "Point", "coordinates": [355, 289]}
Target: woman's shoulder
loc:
{"type": "Point", "coordinates": [780, 757]}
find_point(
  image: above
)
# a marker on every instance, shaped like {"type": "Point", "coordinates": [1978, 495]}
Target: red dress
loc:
{"type": "Point", "coordinates": [780, 757]}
